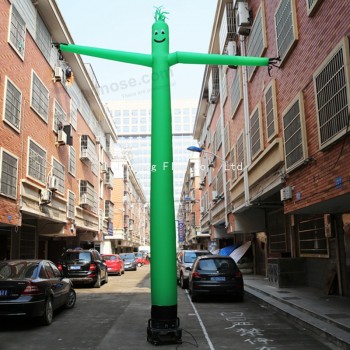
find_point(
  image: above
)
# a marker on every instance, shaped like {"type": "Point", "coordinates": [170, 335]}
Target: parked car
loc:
{"type": "Point", "coordinates": [185, 259]}
{"type": "Point", "coordinates": [215, 275]}
{"type": "Point", "coordinates": [130, 263]}
{"type": "Point", "coordinates": [84, 266]}
{"type": "Point", "coordinates": [115, 264]}
{"type": "Point", "coordinates": [33, 288]}
{"type": "Point", "coordinates": [141, 259]}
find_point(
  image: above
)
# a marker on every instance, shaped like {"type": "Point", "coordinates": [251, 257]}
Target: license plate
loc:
{"type": "Point", "coordinates": [3, 292]}
{"type": "Point", "coordinates": [74, 267]}
{"type": "Point", "coordinates": [217, 278]}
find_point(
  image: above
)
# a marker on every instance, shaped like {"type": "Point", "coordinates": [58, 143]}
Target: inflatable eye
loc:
{"type": "Point", "coordinates": [156, 32]}
{"type": "Point", "coordinates": [163, 31]}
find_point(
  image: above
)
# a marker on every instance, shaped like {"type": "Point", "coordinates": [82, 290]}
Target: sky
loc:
{"type": "Point", "coordinates": [127, 26]}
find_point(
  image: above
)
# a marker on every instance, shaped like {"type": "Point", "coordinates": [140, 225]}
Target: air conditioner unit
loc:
{"type": "Point", "coordinates": [45, 196]}
{"type": "Point", "coordinates": [53, 183]}
{"type": "Point", "coordinates": [215, 195]}
{"type": "Point", "coordinates": [104, 168]}
{"type": "Point", "coordinates": [286, 193]}
{"type": "Point", "coordinates": [61, 137]}
{"type": "Point", "coordinates": [243, 20]}
{"type": "Point", "coordinates": [232, 48]}
{"type": "Point", "coordinates": [58, 73]}
{"type": "Point", "coordinates": [84, 156]}
{"type": "Point", "coordinates": [84, 200]}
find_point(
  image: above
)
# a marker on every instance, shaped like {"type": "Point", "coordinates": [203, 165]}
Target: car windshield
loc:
{"type": "Point", "coordinates": [216, 264]}
{"type": "Point", "coordinates": [190, 257]}
{"type": "Point", "coordinates": [109, 257]}
{"type": "Point", "coordinates": [78, 256]}
{"type": "Point", "coordinates": [128, 256]}
{"type": "Point", "coordinates": [18, 269]}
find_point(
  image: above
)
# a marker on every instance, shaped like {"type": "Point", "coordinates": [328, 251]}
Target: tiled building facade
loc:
{"type": "Point", "coordinates": [55, 139]}
{"type": "Point", "coordinates": [281, 176]}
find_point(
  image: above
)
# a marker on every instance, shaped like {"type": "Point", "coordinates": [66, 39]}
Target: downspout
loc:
{"type": "Point", "coordinates": [246, 127]}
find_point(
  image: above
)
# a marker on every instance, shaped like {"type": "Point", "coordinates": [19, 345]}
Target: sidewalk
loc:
{"type": "Point", "coordinates": [328, 316]}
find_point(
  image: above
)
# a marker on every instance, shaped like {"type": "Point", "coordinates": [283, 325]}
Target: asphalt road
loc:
{"type": "Point", "coordinates": [115, 317]}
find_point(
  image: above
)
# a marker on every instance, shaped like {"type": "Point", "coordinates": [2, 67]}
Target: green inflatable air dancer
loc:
{"type": "Point", "coordinates": [163, 327]}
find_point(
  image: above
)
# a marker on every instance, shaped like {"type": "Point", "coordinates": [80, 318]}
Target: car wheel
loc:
{"type": "Point", "coordinates": [106, 278]}
{"type": "Point", "coordinates": [183, 283]}
{"type": "Point", "coordinates": [46, 318]}
{"type": "Point", "coordinates": [72, 297]}
{"type": "Point", "coordinates": [139, 264]}
{"type": "Point", "coordinates": [98, 282]}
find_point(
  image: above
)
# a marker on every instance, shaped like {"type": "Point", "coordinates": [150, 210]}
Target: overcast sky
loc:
{"type": "Point", "coordinates": [127, 26]}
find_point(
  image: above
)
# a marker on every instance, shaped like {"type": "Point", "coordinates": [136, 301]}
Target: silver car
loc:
{"type": "Point", "coordinates": [185, 260]}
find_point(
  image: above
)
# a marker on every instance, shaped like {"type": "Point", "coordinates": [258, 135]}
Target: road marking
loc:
{"type": "Point", "coordinates": [211, 346]}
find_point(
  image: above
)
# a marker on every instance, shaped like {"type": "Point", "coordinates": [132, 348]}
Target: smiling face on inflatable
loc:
{"type": "Point", "coordinates": [160, 37]}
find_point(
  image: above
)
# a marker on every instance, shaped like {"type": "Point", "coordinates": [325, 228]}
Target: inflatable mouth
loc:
{"type": "Point", "coordinates": [159, 41]}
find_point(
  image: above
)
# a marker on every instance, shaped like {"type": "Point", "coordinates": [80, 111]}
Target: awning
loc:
{"type": "Point", "coordinates": [237, 254]}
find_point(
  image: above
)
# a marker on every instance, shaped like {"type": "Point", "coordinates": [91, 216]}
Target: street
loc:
{"type": "Point", "coordinates": [115, 316]}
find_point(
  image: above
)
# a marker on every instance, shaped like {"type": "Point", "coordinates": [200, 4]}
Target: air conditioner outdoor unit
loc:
{"type": "Point", "coordinates": [232, 48]}
{"type": "Point", "coordinates": [103, 168]}
{"type": "Point", "coordinates": [53, 183]}
{"type": "Point", "coordinates": [45, 196]}
{"type": "Point", "coordinates": [84, 200]}
{"type": "Point", "coordinates": [58, 73]}
{"type": "Point", "coordinates": [215, 195]}
{"type": "Point", "coordinates": [61, 137]}
{"type": "Point", "coordinates": [243, 20]}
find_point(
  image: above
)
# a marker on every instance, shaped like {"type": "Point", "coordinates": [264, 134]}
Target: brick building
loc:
{"type": "Point", "coordinates": [55, 139]}
{"type": "Point", "coordinates": [281, 175]}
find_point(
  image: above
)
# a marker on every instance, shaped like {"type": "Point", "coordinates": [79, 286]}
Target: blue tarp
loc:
{"type": "Point", "coordinates": [228, 250]}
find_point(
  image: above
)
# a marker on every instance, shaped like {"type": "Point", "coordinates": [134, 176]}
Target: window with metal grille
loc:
{"type": "Point", "coordinates": [256, 132]}
{"type": "Point", "coordinates": [312, 5]}
{"type": "Point", "coordinates": [88, 196]}
{"type": "Point", "coordinates": [72, 160]}
{"type": "Point", "coordinates": [236, 92]}
{"type": "Point", "coordinates": [59, 117]}
{"type": "Point", "coordinates": [219, 181]}
{"type": "Point", "coordinates": [109, 209]}
{"type": "Point", "coordinates": [228, 27]}
{"type": "Point", "coordinates": [17, 33]}
{"type": "Point", "coordinates": [233, 165]}
{"type": "Point", "coordinates": [213, 84]}
{"type": "Point", "coordinates": [217, 135]}
{"type": "Point", "coordinates": [40, 98]}
{"type": "Point", "coordinates": [13, 104]}
{"type": "Point", "coordinates": [331, 83]}
{"type": "Point", "coordinates": [295, 147]}
{"type": "Point", "coordinates": [9, 174]}
{"type": "Point", "coordinates": [73, 114]}
{"type": "Point", "coordinates": [312, 238]}
{"type": "Point", "coordinates": [271, 111]}
{"type": "Point", "coordinates": [257, 43]}
{"type": "Point", "coordinates": [37, 162]}
{"type": "Point", "coordinates": [277, 232]}
{"type": "Point", "coordinates": [87, 148]}
{"type": "Point", "coordinates": [43, 37]}
{"type": "Point", "coordinates": [286, 27]}
{"type": "Point", "coordinates": [223, 87]}
{"type": "Point", "coordinates": [71, 205]}
{"type": "Point", "coordinates": [58, 170]}
{"type": "Point", "coordinates": [240, 151]}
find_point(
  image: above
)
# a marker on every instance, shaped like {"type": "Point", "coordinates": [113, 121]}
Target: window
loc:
{"type": "Point", "coordinates": [286, 27]}
{"type": "Point", "coordinates": [9, 174]}
{"type": "Point", "coordinates": [219, 181]}
{"type": "Point", "coordinates": [331, 82]}
{"type": "Point", "coordinates": [312, 5]}
{"type": "Point", "coordinates": [40, 98]}
{"type": "Point", "coordinates": [294, 134]}
{"type": "Point", "coordinates": [312, 238]}
{"type": "Point", "coordinates": [71, 205]}
{"type": "Point", "coordinates": [73, 114]}
{"type": "Point", "coordinates": [72, 160]}
{"type": "Point", "coordinates": [43, 37]}
{"type": "Point", "coordinates": [13, 104]}
{"type": "Point", "coordinates": [257, 39]}
{"type": "Point", "coordinates": [222, 77]}
{"type": "Point", "coordinates": [227, 139]}
{"type": "Point", "coordinates": [271, 111]}
{"type": "Point", "coordinates": [217, 137]}
{"type": "Point", "coordinates": [256, 142]}
{"type": "Point", "coordinates": [58, 171]}
{"type": "Point", "coordinates": [59, 117]}
{"type": "Point", "coordinates": [236, 92]}
{"type": "Point", "coordinates": [17, 33]}
{"type": "Point", "coordinates": [240, 151]}
{"type": "Point", "coordinates": [37, 162]}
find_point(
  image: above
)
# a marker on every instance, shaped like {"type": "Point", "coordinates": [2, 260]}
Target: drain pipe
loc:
{"type": "Point", "coordinates": [246, 126]}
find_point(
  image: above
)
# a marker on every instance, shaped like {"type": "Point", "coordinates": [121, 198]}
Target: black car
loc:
{"type": "Point", "coordinates": [33, 288]}
{"type": "Point", "coordinates": [84, 266]}
{"type": "Point", "coordinates": [130, 263]}
{"type": "Point", "coordinates": [215, 275]}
